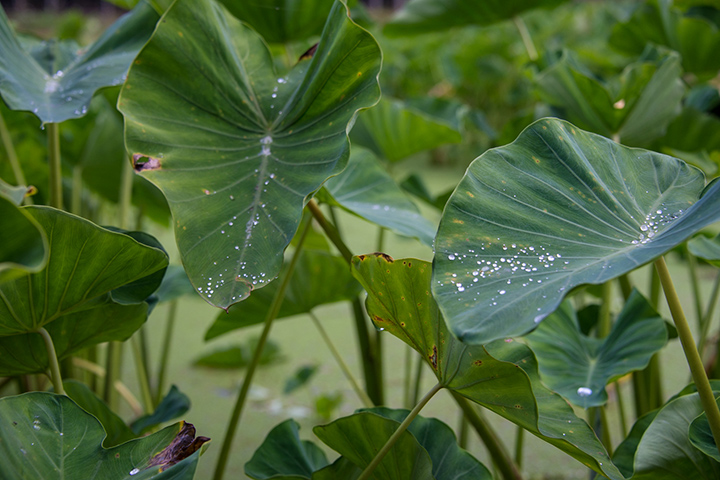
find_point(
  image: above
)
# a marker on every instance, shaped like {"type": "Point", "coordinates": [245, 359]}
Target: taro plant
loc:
{"type": "Point", "coordinates": [261, 150]}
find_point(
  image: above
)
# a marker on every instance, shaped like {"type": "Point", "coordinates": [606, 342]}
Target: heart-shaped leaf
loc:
{"type": "Point", "coordinates": [394, 131]}
{"type": "Point", "coordinates": [319, 279]}
{"type": "Point", "coordinates": [557, 208]}
{"type": "Point", "coordinates": [367, 190]}
{"type": "Point", "coordinates": [23, 244]}
{"type": "Point", "coordinates": [578, 366]}
{"type": "Point", "coordinates": [86, 263]}
{"type": "Point", "coordinates": [236, 148]}
{"type": "Point", "coordinates": [421, 16]}
{"type": "Point", "coordinates": [626, 106]}
{"type": "Point", "coordinates": [56, 80]}
{"type": "Point", "coordinates": [501, 376]}
{"type": "Point", "coordinates": [44, 435]}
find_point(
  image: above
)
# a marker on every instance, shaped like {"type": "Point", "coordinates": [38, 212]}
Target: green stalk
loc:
{"type": "Point", "coordinates": [625, 286]}
{"type": "Point", "coordinates": [367, 473]}
{"type": "Point", "coordinates": [125, 200]}
{"type": "Point", "coordinates": [606, 440]}
{"type": "Point", "coordinates": [519, 442]}
{"type": "Point", "coordinates": [367, 403]}
{"type": "Point", "coordinates": [407, 382]}
{"type": "Point", "coordinates": [621, 410]}
{"type": "Point", "coordinates": [76, 198]}
{"type": "Point", "coordinates": [165, 354]}
{"type": "Point", "coordinates": [12, 157]}
{"type": "Point", "coordinates": [695, 285]}
{"type": "Point", "coordinates": [605, 320]}
{"type": "Point", "coordinates": [492, 442]}
{"type": "Point", "coordinates": [691, 353]}
{"type": "Point", "coordinates": [417, 381]}
{"type": "Point", "coordinates": [141, 372]}
{"type": "Point", "coordinates": [56, 195]}
{"type": "Point", "coordinates": [247, 381]}
{"type": "Point", "coordinates": [113, 370]}
{"type": "Point", "coordinates": [463, 431]}
{"type": "Point", "coordinates": [330, 231]}
{"type": "Point", "coordinates": [526, 38]}
{"type": "Point", "coordinates": [707, 316]}
{"type": "Point", "coordinates": [654, 288]}
{"type": "Point", "coordinates": [53, 361]}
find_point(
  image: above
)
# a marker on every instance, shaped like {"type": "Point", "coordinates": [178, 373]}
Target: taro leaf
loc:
{"type": "Point", "coordinates": [44, 435]}
{"type": "Point", "coordinates": [174, 405]}
{"type": "Point", "coordinates": [695, 38]}
{"type": "Point", "coordinates": [693, 130]}
{"type": "Point", "coordinates": [23, 244]}
{"type": "Point", "coordinates": [240, 356]}
{"type": "Point", "coordinates": [319, 278]}
{"type": "Point", "coordinates": [283, 455]}
{"type": "Point", "coordinates": [501, 376]}
{"type": "Point", "coordinates": [394, 132]}
{"type": "Point", "coordinates": [86, 263]}
{"type": "Point", "coordinates": [301, 377]}
{"type": "Point", "coordinates": [557, 208]}
{"type": "Point", "coordinates": [340, 468]}
{"type": "Point", "coordinates": [26, 353]}
{"type": "Point", "coordinates": [578, 366]}
{"type": "Point", "coordinates": [174, 285]}
{"type": "Point", "coordinates": [665, 451]}
{"type": "Point", "coordinates": [282, 21]}
{"type": "Point", "coordinates": [626, 106]}
{"type": "Point", "coordinates": [366, 189]}
{"type": "Point", "coordinates": [702, 438]}
{"type": "Point", "coordinates": [236, 148]}
{"type": "Point", "coordinates": [624, 454]}
{"type": "Point", "coordinates": [449, 461]}
{"type": "Point", "coordinates": [361, 435]}
{"type": "Point", "coordinates": [115, 428]}
{"type": "Point", "coordinates": [421, 16]}
{"type": "Point", "coordinates": [56, 80]}
{"type": "Point", "coordinates": [706, 248]}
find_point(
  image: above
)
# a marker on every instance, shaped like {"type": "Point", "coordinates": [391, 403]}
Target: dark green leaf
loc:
{"type": "Point", "coordinates": [706, 248]}
{"type": "Point", "coordinates": [240, 356]}
{"type": "Point", "coordinates": [701, 436]}
{"type": "Point", "coordinates": [23, 244]}
{"type": "Point", "coordinates": [174, 405]}
{"type": "Point", "coordinates": [557, 208]}
{"type": "Point", "coordinates": [301, 377]}
{"type": "Point", "coordinates": [238, 142]}
{"type": "Point", "coordinates": [578, 366]}
{"type": "Point", "coordinates": [175, 284]}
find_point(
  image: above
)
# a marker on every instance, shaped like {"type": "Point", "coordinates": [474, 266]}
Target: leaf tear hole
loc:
{"type": "Point", "coordinates": [143, 163]}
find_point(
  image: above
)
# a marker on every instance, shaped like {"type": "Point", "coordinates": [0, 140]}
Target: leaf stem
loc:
{"type": "Point", "coordinates": [526, 38]}
{"type": "Point", "coordinates": [141, 371]}
{"type": "Point", "coordinates": [519, 442]}
{"type": "Point", "coordinates": [605, 320]}
{"type": "Point", "coordinates": [695, 285]}
{"type": "Point", "coordinates": [367, 473]}
{"type": "Point", "coordinates": [621, 409]}
{"type": "Point", "coordinates": [709, 311]}
{"type": "Point", "coordinates": [53, 361]}
{"type": "Point", "coordinates": [165, 354]}
{"type": "Point", "coordinates": [496, 449]}
{"type": "Point", "coordinates": [12, 156]}
{"type": "Point", "coordinates": [121, 388]}
{"type": "Point", "coordinates": [330, 231]}
{"type": "Point", "coordinates": [125, 200]}
{"type": "Point", "coordinates": [691, 353]}
{"type": "Point", "coordinates": [255, 361]}
{"type": "Point", "coordinates": [55, 164]}
{"type": "Point", "coordinates": [367, 403]}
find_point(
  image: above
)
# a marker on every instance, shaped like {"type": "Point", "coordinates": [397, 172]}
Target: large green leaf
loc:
{"type": "Point", "coordinates": [319, 278]}
{"type": "Point", "coordinates": [283, 455]}
{"type": "Point", "coordinates": [421, 16]}
{"type": "Point", "coordinates": [366, 189]}
{"type": "Point", "coordinates": [695, 38]}
{"type": "Point", "coordinates": [282, 21]}
{"type": "Point", "coordinates": [702, 438]}
{"type": "Point", "coordinates": [394, 131]}
{"type": "Point", "coordinates": [56, 80]}
{"type": "Point", "coordinates": [706, 248]}
{"type": "Point", "coordinates": [665, 451]}
{"type": "Point", "coordinates": [578, 366]}
{"type": "Point", "coordinates": [237, 148]}
{"type": "Point", "coordinates": [23, 244]}
{"type": "Point", "coordinates": [626, 106]}
{"type": "Point", "coordinates": [557, 208]}
{"type": "Point", "coordinates": [86, 263]}
{"type": "Point", "coordinates": [501, 376]}
{"type": "Point", "coordinates": [43, 435]}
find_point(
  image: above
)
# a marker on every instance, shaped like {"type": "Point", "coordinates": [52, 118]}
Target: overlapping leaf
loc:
{"type": "Point", "coordinates": [365, 189]}
{"type": "Point", "coordinates": [43, 435]}
{"type": "Point", "coordinates": [236, 147]}
{"type": "Point", "coordinates": [23, 245]}
{"type": "Point", "coordinates": [56, 80]}
{"type": "Point", "coordinates": [702, 438]}
{"type": "Point", "coordinates": [502, 376]}
{"type": "Point", "coordinates": [557, 208]}
{"type": "Point", "coordinates": [578, 366]}
{"type": "Point", "coordinates": [421, 16]}
{"type": "Point", "coordinates": [706, 248]}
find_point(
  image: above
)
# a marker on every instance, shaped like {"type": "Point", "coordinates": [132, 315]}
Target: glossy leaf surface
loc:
{"type": "Point", "coordinates": [395, 131]}
{"type": "Point", "coordinates": [48, 436]}
{"type": "Point", "coordinates": [626, 106]}
{"type": "Point", "coordinates": [236, 147]}
{"type": "Point", "coordinates": [86, 263]}
{"type": "Point", "coordinates": [367, 190]}
{"type": "Point", "coordinates": [23, 244]}
{"type": "Point", "coordinates": [319, 278]}
{"type": "Point", "coordinates": [56, 80]}
{"type": "Point", "coordinates": [501, 376]}
{"type": "Point", "coordinates": [578, 366]}
{"type": "Point", "coordinates": [420, 16]}
{"type": "Point", "coordinates": [557, 208]}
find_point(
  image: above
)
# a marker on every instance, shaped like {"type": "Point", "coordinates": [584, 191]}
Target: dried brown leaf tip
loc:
{"type": "Point", "coordinates": [182, 446]}
{"type": "Point", "coordinates": [142, 163]}
{"type": "Point", "coordinates": [308, 53]}
{"type": "Point", "coordinates": [384, 256]}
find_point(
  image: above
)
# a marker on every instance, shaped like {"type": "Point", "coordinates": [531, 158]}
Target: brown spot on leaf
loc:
{"type": "Point", "coordinates": [377, 319]}
{"type": "Point", "coordinates": [433, 357]}
{"type": "Point", "coordinates": [384, 256]}
{"type": "Point", "coordinates": [182, 446]}
{"type": "Point", "coordinates": [142, 163]}
{"type": "Point", "coordinates": [477, 363]}
{"type": "Point", "coordinates": [309, 53]}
